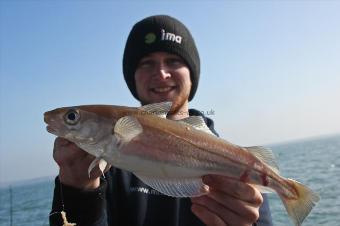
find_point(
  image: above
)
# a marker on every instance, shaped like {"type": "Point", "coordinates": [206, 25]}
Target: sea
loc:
{"type": "Point", "coordinates": [314, 162]}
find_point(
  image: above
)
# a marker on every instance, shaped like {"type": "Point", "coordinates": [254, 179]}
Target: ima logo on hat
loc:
{"type": "Point", "coordinates": [150, 38]}
{"type": "Point", "coordinates": [167, 36]}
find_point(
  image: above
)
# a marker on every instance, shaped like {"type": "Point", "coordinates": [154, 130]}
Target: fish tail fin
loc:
{"type": "Point", "coordinates": [298, 208]}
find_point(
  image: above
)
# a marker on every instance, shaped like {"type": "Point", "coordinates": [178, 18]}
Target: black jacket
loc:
{"type": "Point", "coordinates": [123, 200]}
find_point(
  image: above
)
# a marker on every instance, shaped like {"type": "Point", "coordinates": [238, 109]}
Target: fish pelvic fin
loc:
{"type": "Point", "coordinates": [265, 155]}
{"type": "Point", "coordinates": [102, 164]}
{"type": "Point", "coordinates": [299, 208]}
{"type": "Point", "coordinates": [159, 109]}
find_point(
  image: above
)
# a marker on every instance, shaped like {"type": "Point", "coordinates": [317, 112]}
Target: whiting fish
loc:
{"type": "Point", "coordinates": [173, 156]}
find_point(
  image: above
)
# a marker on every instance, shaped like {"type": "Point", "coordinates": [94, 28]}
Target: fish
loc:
{"type": "Point", "coordinates": [172, 156]}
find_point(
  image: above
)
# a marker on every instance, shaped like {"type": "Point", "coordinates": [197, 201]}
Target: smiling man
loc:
{"type": "Point", "coordinates": [161, 76]}
{"type": "Point", "coordinates": [160, 63]}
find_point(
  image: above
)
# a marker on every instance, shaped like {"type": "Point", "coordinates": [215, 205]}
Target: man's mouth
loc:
{"type": "Point", "coordinates": [161, 90]}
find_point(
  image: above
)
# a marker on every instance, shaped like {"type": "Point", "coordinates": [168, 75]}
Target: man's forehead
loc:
{"type": "Point", "coordinates": [160, 54]}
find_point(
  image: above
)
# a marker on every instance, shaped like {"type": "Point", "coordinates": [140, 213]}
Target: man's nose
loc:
{"type": "Point", "coordinates": [162, 71]}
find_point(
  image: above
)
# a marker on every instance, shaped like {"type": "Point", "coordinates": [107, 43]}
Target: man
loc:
{"type": "Point", "coordinates": [160, 63]}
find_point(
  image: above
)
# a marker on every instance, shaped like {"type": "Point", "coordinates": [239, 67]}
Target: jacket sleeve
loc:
{"type": "Point", "coordinates": [265, 216]}
{"type": "Point", "coordinates": [86, 208]}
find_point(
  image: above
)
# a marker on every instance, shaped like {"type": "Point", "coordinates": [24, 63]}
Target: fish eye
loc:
{"type": "Point", "coordinates": [72, 117]}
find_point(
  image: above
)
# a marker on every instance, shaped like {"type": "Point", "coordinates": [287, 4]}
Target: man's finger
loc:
{"type": "Point", "coordinates": [234, 188]}
{"type": "Point", "coordinates": [66, 152]}
{"type": "Point", "coordinates": [249, 211]}
{"type": "Point", "coordinates": [206, 216]}
{"type": "Point", "coordinates": [59, 142]}
{"type": "Point", "coordinates": [227, 215]}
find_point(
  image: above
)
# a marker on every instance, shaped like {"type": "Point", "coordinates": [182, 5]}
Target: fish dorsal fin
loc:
{"type": "Point", "coordinates": [198, 123]}
{"type": "Point", "coordinates": [159, 109]}
{"type": "Point", "coordinates": [177, 187]}
{"type": "Point", "coordinates": [266, 155]}
{"type": "Point", "coordinates": [126, 128]}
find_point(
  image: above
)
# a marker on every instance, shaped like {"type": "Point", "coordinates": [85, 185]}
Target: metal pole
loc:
{"type": "Point", "coordinates": [10, 206]}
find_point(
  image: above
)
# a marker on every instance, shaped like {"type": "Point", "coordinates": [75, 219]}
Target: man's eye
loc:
{"type": "Point", "coordinates": [175, 62]}
{"type": "Point", "coordinates": [146, 64]}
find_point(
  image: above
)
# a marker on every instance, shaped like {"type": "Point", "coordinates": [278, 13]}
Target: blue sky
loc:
{"type": "Point", "coordinates": [270, 70]}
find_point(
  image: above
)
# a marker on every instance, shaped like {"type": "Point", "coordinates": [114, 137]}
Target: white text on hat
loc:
{"type": "Point", "coordinates": [171, 37]}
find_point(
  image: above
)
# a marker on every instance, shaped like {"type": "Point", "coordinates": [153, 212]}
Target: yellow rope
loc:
{"type": "Point", "coordinates": [66, 223]}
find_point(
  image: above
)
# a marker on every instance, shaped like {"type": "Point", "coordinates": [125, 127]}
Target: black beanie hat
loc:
{"type": "Point", "coordinates": [160, 33]}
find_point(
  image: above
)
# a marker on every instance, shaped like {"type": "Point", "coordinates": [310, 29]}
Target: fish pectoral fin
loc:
{"type": "Point", "coordinates": [198, 123]}
{"type": "Point", "coordinates": [101, 164]}
{"type": "Point", "coordinates": [176, 187]}
{"type": "Point", "coordinates": [159, 109]}
{"type": "Point", "coordinates": [266, 155]}
{"type": "Point", "coordinates": [127, 128]}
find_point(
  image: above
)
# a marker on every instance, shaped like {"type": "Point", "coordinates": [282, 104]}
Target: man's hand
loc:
{"type": "Point", "coordinates": [74, 163]}
{"type": "Point", "coordinates": [228, 203]}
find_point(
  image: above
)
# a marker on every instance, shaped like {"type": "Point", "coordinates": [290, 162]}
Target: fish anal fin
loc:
{"type": "Point", "coordinates": [159, 109]}
{"type": "Point", "coordinates": [263, 189]}
{"type": "Point", "coordinates": [266, 155]}
{"type": "Point", "coordinates": [176, 187]}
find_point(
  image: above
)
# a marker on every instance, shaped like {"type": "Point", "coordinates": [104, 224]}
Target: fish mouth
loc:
{"type": "Point", "coordinates": [50, 129]}
{"type": "Point", "coordinates": [47, 117]}
{"type": "Point", "coordinates": [49, 121]}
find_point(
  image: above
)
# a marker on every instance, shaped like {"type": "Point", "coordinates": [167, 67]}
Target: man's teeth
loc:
{"type": "Point", "coordinates": [162, 90]}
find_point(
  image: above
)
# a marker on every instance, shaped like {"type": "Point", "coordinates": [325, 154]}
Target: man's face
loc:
{"type": "Point", "coordinates": [162, 76]}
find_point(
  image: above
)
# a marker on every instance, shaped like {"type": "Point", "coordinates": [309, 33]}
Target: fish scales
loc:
{"type": "Point", "coordinates": [166, 143]}
{"type": "Point", "coordinates": [196, 139]}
